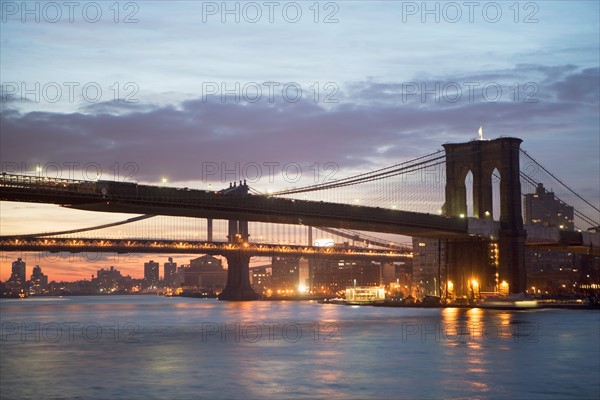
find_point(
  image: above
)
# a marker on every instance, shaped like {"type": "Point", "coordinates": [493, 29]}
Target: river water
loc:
{"type": "Point", "coordinates": [143, 347]}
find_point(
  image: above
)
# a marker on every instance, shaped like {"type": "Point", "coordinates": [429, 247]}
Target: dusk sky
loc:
{"type": "Point", "coordinates": [138, 88]}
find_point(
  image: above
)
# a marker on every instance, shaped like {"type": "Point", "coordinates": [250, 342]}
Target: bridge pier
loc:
{"type": "Point", "coordinates": [511, 247]}
{"type": "Point", "coordinates": [238, 280]}
{"type": "Point", "coordinates": [238, 286]}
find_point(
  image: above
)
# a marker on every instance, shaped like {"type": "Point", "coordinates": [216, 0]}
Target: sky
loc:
{"type": "Point", "coordinates": [188, 91]}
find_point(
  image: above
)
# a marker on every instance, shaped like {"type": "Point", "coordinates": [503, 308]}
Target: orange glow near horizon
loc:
{"type": "Point", "coordinates": [78, 266]}
{"type": "Point", "coordinates": [26, 218]}
{"type": "Point", "coordinates": [70, 267]}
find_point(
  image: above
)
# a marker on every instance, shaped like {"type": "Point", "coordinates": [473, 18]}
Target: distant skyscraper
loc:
{"type": "Point", "coordinates": [18, 271]}
{"type": "Point", "coordinates": [37, 276]}
{"type": "Point", "coordinates": [151, 273]}
{"type": "Point", "coordinates": [39, 281]}
{"type": "Point", "coordinates": [170, 269]}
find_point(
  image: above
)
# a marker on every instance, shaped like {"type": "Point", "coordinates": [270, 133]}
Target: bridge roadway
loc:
{"type": "Point", "coordinates": [123, 197]}
{"type": "Point", "coordinates": [143, 246]}
{"type": "Point", "coordinates": [232, 204]}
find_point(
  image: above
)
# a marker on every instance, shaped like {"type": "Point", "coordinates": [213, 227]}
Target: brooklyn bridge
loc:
{"type": "Point", "coordinates": [469, 195]}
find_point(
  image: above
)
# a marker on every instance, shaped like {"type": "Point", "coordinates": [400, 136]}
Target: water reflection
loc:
{"type": "Point", "coordinates": [193, 348]}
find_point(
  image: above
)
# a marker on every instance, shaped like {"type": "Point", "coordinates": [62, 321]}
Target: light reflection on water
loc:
{"type": "Point", "coordinates": [156, 347]}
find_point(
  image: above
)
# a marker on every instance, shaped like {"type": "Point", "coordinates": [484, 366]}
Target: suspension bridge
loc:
{"type": "Point", "coordinates": [470, 195]}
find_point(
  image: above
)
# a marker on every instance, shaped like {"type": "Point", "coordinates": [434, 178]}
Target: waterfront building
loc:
{"type": "Point", "coordinates": [285, 274]}
{"type": "Point", "coordinates": [549, 270]}
{"type": "Point", "coordinates": [429, 266]}
{"type": "Point", "coordinates": [332, 276]}
{"type": "Point", "coordinates": [260, 278]}
{"type": "Point", "coordinates": [205, 272]}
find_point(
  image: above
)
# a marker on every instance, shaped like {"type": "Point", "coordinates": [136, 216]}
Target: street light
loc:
{"type": "Point", "coordinates": [475, 287]}
{"type": "Point", "coordinates": [504, 287]}
{"type": "Point", "coordinates": [450, 290]}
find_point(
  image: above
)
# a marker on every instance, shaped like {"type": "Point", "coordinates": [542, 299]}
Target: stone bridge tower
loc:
{"type": "Point", "coordinates": [481, 158]}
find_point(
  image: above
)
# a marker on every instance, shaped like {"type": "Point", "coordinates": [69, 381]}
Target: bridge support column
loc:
{"type": "Point", "coordinates": [511, 246]}
{"type": "Point", "coordinates": [238, 286]}
{"type": "Point", "coordinates": [209, 230]}
{"type": "Point", "coordinates": [238, 280]}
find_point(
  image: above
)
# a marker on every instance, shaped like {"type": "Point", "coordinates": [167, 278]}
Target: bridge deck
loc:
{"type": "Point", "coordinates": [121, 197]}
{"type": "Point", "coordinates": [143, 246]}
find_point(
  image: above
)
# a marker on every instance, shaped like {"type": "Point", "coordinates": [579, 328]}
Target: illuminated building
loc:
{"type": "Point", "coordinates": [429, 256]}
{"type": "Point", "coordinates": [549, 270]}
{"type": "Point", "coordinates": [303, 275]}
{"type": "Point", "coordinates": [364, 294]}
{"type": "Point", "coordinates": [151, 274]}
{"type": "Point", "coordinates": [108, 280]}
{"type": "Point", "coordinates": [331, 276]}
{"type": "Point", "coordinates": [260, 278]}
{"type": "Point", "coordinates": [285, 274]}
{"type": "Point", "coordinates": [169, 271]}
{"type": "Point", "coordinates": [543, 208]}
{"type": "Point", "coordinates": [18, 272]}
{"type": "Point", "coordinates": [39, 281]}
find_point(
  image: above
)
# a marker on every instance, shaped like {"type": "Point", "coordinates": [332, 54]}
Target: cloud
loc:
{"type": "Point", "coordinates": [580, 87]}
{"type": "Point", "coordinates": [175, 140]}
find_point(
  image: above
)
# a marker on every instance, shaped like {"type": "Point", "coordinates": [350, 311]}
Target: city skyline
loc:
{"type": "Point", "coordinates": [83, 267]}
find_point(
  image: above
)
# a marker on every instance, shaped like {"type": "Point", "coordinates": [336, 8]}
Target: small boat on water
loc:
{"type": "Point", "coordinates": [513, 302]}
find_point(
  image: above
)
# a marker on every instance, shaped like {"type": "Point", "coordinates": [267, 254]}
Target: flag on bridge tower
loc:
{"type": "Point", "coordinates": [480, 131]}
